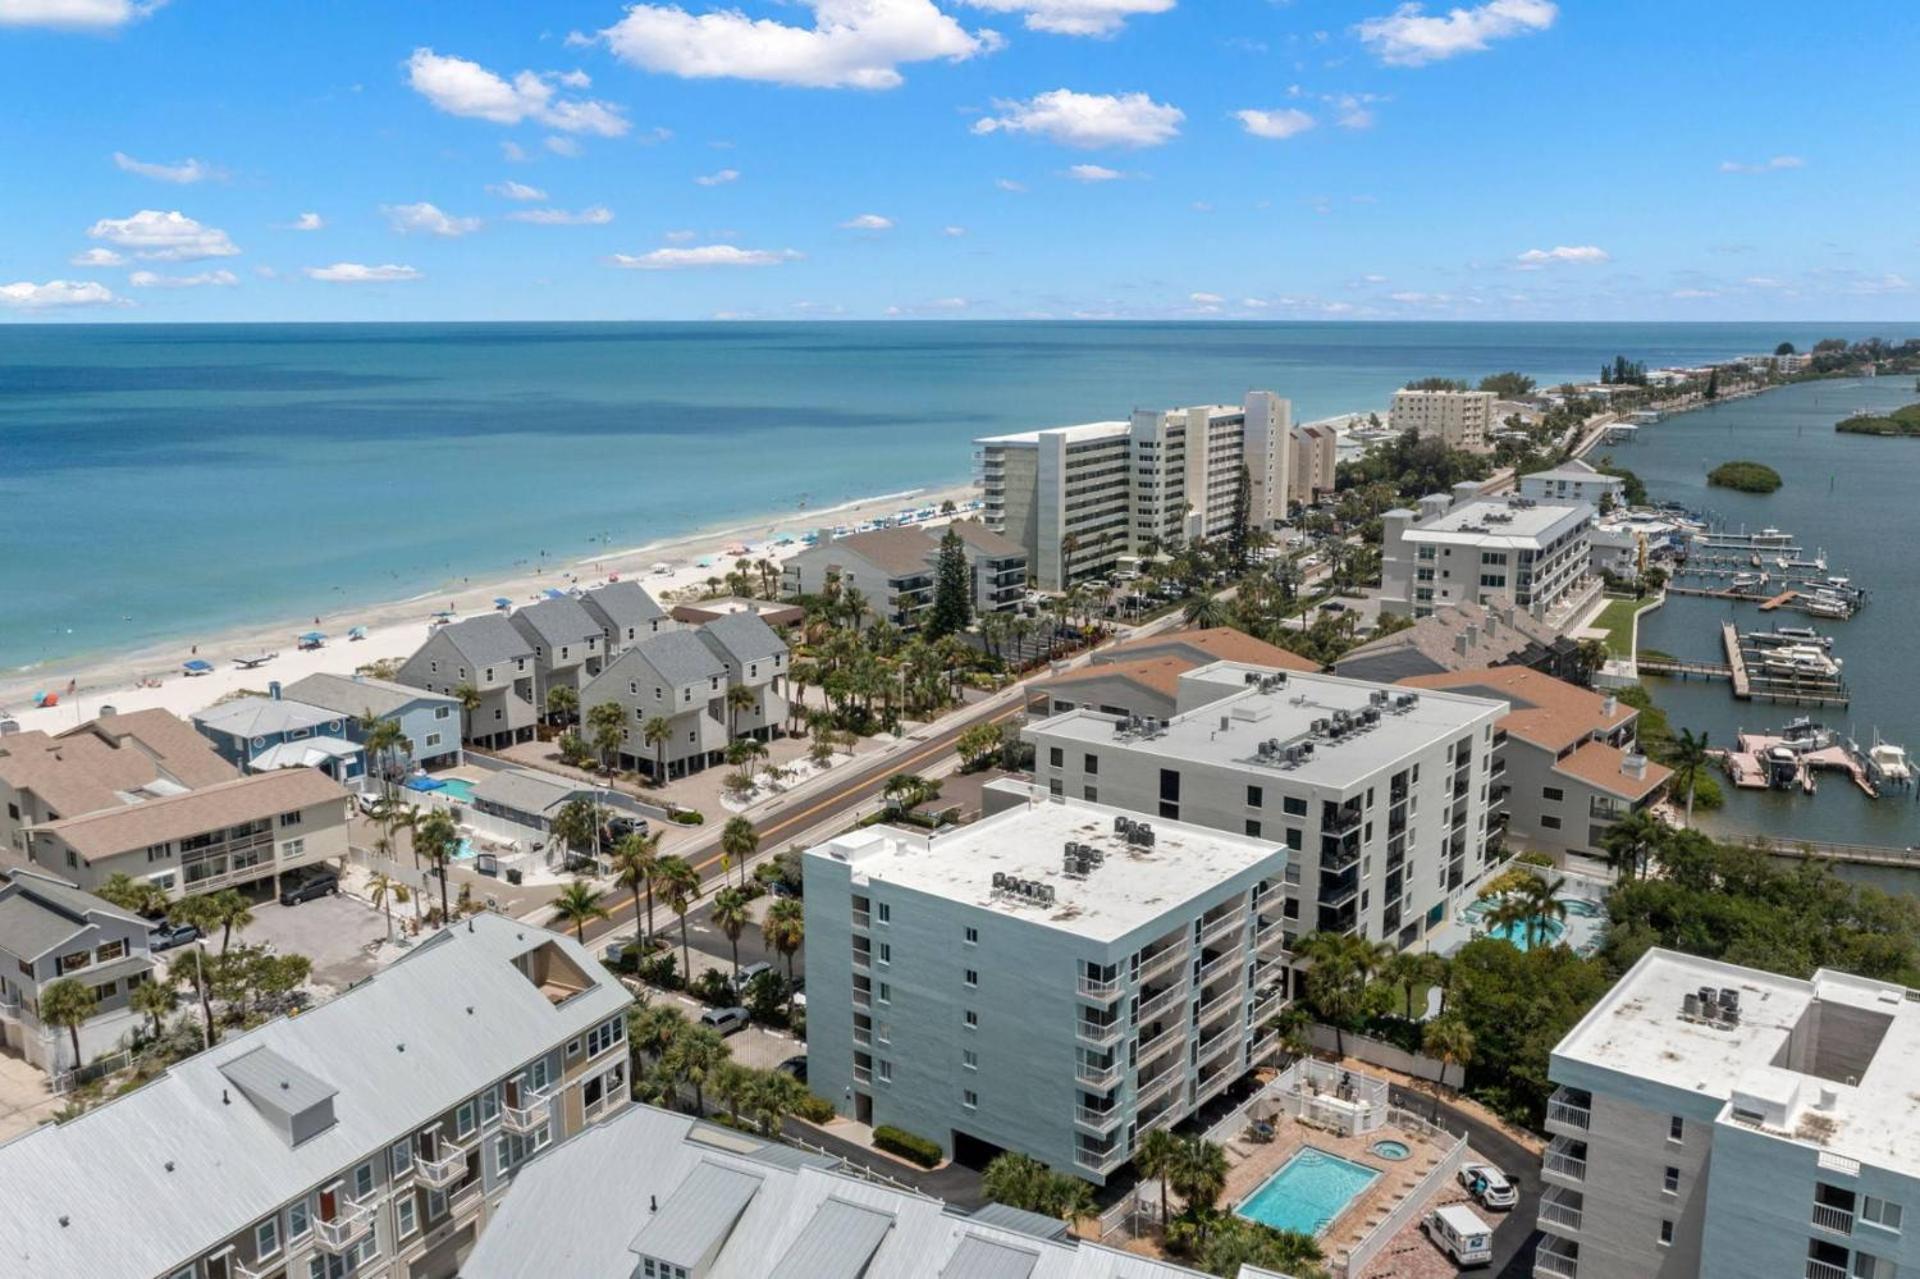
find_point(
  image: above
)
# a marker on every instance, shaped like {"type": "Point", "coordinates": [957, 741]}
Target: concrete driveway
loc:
{"type": "Point", "coordinates": [334, 932]}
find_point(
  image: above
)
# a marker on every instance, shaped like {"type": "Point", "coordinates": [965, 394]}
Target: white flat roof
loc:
{"type": "Point", "coordinates": [1638, 1030]}
{"type": "Point", "coordinates": [1285, 714]}
{"type": "Point", "coordinates": [1518, 524]}
{"type": "Point", "coordinates": [1132, 887]}
{"type": "Point", "coordinates": [1075, 434]}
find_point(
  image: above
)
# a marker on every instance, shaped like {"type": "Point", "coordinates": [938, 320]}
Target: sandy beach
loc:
{"type": "Point", "coordinates": [152, 677]}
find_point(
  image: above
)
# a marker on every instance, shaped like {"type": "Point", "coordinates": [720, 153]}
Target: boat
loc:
{"type": "Point", "coordinates": [1789, 636]}
{"type": "Point", "coordinates": [1803, 734]}
{"type": "Point", "coordinates": [1827, 604]}
{"type": "Point", "coordinates": [1783, 768]}
{"type": "Point", "coordinates": [1886, 765]}
{"type": "Point", "coordinates": [1748, 581]}
{"type": "Point", "coordinates": [1817, 564]}
{"type": "Point", "coordinates": [1799, 663]}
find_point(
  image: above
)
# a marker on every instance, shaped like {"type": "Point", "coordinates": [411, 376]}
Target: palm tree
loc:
{"type": "Point", "coordinates": [633, 863]}
{"type": "Point", "coordinates": [194, 970]}
{"type": "Point", "coordinates": [1689, 762]}
{"type": "Point", "coordinates": [657, 732]}
{"type": "Point", "coordinates": [1510, 912]}
{"type": "Point", "coordinates": [563, 703]}
{"type": "Point", "coordinates": [1632, 842]}
{"type": "Point", "coordinates": [141, 896]}
{"type": "Point", "coordinates": [739, 698]}
{"type": "Point", "coordinates": [696, 1054]}
{"type": "Point", "coordinates": [1406, 970]}
{"type": "Point", "coordinates": [154, 1000]}
{"type": "Point", "coordinates": [730, 916]}
{"type": "Point", "coordinates": [738, 842]}
{"type": "Point", "coordinates": [577, 903]}
{"type": "Point", "coordinates": [1588, 657]}
{"type": "Point", "coordinates": [784, 929]}
{"type": "Point", "coordinates": [1153, 1158]}
{"type": "Point", "coordinates": [69, 1002]}
{"type": "Point", "coordinates": [653, 1029]}
{"type": "Point", "coordinates": [1339, 965]}
{"type": "Point", "coordinates": [1448, 1041]}
{"type": "Point", "coordinates": [576, 826]}
{"type": "Point", "coordinates": [469, 698]}
{"type": "Point", "coordinates": [679, 883]}
{"type": "Point", "coordinates": [384, 891]}
{"type": "Point", "coordinates": [437, 839]}
{"type": "Point", "coordinates": [606, 729]}
{"type": "Point", "coordinates": [1206, 611]}
{"type": "Point", "coordinates": [1543, 904]}
{"type": "Point", "coordinates": [733, 1084]}
{"type": "Point", "coordinates": [1199, 1174]}
{"type": "Point", "coordinates": [230, 911]}
{"type": "Point", "coordinates": [381, 742]}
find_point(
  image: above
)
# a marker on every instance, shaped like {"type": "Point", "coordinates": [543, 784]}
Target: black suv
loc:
{"type": "Point", "coordinates": [318, 884]}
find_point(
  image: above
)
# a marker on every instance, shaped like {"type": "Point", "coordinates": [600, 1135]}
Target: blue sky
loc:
{"type": "Point", "coordinates": [1512, 159]}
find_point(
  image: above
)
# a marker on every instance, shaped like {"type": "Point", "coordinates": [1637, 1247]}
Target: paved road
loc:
{"type": "Point", "coordinates": [1513, 1233]}
{"type": "Point", "coordinates": [958, 1185]}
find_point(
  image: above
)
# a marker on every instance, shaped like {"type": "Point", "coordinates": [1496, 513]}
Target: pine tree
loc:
{"type": "Point", "coordinates": [952, 589]}
{"type": "Point", "coordinates": [1236, 533]}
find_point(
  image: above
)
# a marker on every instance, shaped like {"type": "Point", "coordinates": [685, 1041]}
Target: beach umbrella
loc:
{"type": "Point", "coordinates": [554, 593]}
{"type": "Point", "coordinates": [357, 633]}
{"type": "Point", "coordinates": [312, 637]}
{"type": "Point", "coordinates": [502, 603]}
{"type": "Point", "coordinates": [196, 667]}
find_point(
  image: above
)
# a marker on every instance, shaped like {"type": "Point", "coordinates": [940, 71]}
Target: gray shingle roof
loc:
{"type": "Point", "coordinates": [681, 658]}
{"type": "Point", "coordinates": [149, 1181]}
{"type": "Point", "coordinates": [265, 716]}
{"type": "Point", "coordinates": [526, 791]}
{"type": "Point", "coordinates": [487, 640]}
{"type": "Point", "coordinates": [556, 623]}
{"type": "Point", "coordinates": [355, 695]}
{"type": "Point", "coordinates": [30, 930]}
{"type": "Point", "coordinates": [742, 638]}
{"type": "Point", "coordinates": [38, 911]}
{"type": "Point", "coordinates": [622, 604]}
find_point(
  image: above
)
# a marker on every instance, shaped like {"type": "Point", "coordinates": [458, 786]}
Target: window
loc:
{"type": "Point", "coordinates": [293, 848]}
{"type": "Point", "coordinates": [289, 819]}
{"type": "Point", "coordinates": [1883, 1213]}
{"type": "Point", "coordinates": [971, 1018]}
{"type": "Point", "coordinates": [885, 993]}
{"type": "Point", "coordinates": [1091, 794]}
{"type": "Point", "coordinates": [465, 1120]}
{"type": "Point", "coordinates": [1293, 805]}
{"type": "Point", "coordinates": [1093, 765]}
{"type": "Point", "coordinates": [1677, 1128]}
{"type": "Point", "coordinates": [400, 1159]}
{"type": "Point", "coordinates": [299, 1220]}
{"type": "Point", "coordinates": [883, 912]}
{"type": "Point", "coordinates": [406, 1216]}
{"type": "Point", "coordinates": [972, 977]}
{"type": "Point", "coordinates": [606, 1035]}
{"type": "Point", "coordinates": [1666, 1233]}
{"type": "Point", "coordinates": [1296, 838]}
{"type": "Point", "coordinates": [885, 950]}
{"type": "Point", "coordinates": [970, 1099]}
{"type": "Point", "coordinates": [1057, 756]}
{"type": "Point", "coordinates": [363, 1180]}
{"type": "Point", "coordinates": [883, 1070]}
{"type": "Point", "coordinates": [972, 935]}
{"type": "Point", "coordinates": [110, 951]}
{"type": "Point", "coordinates": [1550, 823]}
{"type": "Point", "coordinates": [1055, 786]}
{"type": "Point", "coordinates": [433, 739]}
{"type": "Point", "coordinates": [266, 1238]}
{"type": "Point", "coordinates": [1253, 828]}
{"type": "Point", "coordinates": [442, 712]}
{"type": "Point", "coordinates": [969, 1059]}
{"type": "Point", "coordinates": [1253, 797]}
{"type": "Point", "coordinates": [1552, 794]}
{"type": "Point", "coordinates": [573, 1049]}
{"type": "Point", "coordinates": [1672, 1183]}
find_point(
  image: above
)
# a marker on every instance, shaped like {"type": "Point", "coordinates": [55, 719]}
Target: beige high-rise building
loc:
{"type": "Point", "coordinates": [1314, 450]}
{"type": "Point", "coordinates": [1460, 419]}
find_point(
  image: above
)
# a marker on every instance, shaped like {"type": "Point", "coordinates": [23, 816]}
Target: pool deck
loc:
{"type": "Point", "coordinates": [1583, 932]}
{"type": "Point", "coordinates": [1251, 1162]}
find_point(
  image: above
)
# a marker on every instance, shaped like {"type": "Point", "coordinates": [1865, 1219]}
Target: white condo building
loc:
{"type": "Point", "coordinates": [1077, 498]}
{"type": "Point", "coordinates": [1720, 1122]}
{"type": "Point", "coordinates": [1460, 419]}
{"type": "Point", "coordinates": [1381, 793]}
{"type": "Point", "coordinates": [1057, 979]}
{"type": "Point", "coordinates": [1466, 548]}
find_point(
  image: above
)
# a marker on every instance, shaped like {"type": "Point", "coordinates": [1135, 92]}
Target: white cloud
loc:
{"type": "Point", "coordinates": [427, 218]}
{"type": "Point", "coordinates": [1201, 206]}
{"type": "Point", "coordinates": [514, 152]}
{"type": "Point", "coordinates": [356, 273]}
{"type": "Point", "coordinates": [1008, 184]}
{"type": "Point", "coordinates": [1373, 279]}
{"type": "Point", "coordinates": [1075, 17]}
{"type": "Point", "coordinates": [180, 171]}
{"type": "Point", "coordinates": [1765, 166]}
{"type": "Point", "coordinates": [460, 87]}
{"type": "Point", "coordinates": [858, 44]}
{"type": "Point", "coordinates": [29, 296]}
{"type": "Point", "coordinates": [681, 237]}
{"type": "Point", "coordinates": [867, 222]}
{"type": "Point", "coordinates": [704, 255]}
{"type": "Point", "coordinates": [164, 237]}
{"type": "Point", "coordinates": [151, 280]}
{"type": "Point", "coordinates": [1205, 299]}
{"type": "Point", "coordinates": [1689, 295]}
{"type": "Point", "coordinates": [1088, 120]}
{"type": "Point", "coordinates": [1420, 299]}
{"type": "Point", "coordinates": [1585, 253]}
{"type": "Point", "coordinates": [1351, 110]}
{"type": "Point", "coordinates": [719, 179]}
{"type": "Point", "coordinates": [1874, 286]}
{"type": "Point", "coordinates": [97, 257]}
{"type": "Point", "coordinates": [1761, 282]}
{"type": "Point", "coordinates": [568, 147]}
{"type": "Point", "coordinates": [1092, 173]}
{"type": "Point", "coordinates": [1410, 37]}
{"type": "Point", "coordinates": [1285, 123]}
{"type": "Point", "coordinates": [574, 79]}
{"type": "Point", "coordinates": [97, 15]}
{"type": "Point", "coordinates": [597, 215]}
{"type": "Point", "coordinates": [511, 190]}
{"type": "Point", "coordinates": [307, 222]}
{"type": "Point", "coordinates": [953, 232]}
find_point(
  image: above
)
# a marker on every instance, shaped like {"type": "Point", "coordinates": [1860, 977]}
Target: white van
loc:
{"type": "Point", "coordinates": [1458, 1231]}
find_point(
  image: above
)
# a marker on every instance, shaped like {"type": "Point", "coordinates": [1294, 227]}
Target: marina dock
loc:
{"type": "Point", "coordinates": [1794, 600]}
{"type": "Point", "coordinates": [1750, 685]}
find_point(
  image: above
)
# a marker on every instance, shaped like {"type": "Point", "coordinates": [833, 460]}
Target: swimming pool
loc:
{"type": "Point", "coordinates": [1546, 932]}
{"type": "Point", "coordinates": [1309, 1191]}
{"type": "Point", "coordinates": [459, 789]}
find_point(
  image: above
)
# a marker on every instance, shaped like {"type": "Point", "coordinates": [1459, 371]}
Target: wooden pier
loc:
{"type": "Point", "coordinates": [1794, 600]}
{"type": "Point", "coordinates": [1747, 685]}
{"type": "Point", "coordinates": [1820, 850]}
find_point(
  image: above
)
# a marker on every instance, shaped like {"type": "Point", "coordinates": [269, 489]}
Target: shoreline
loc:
{"type": "Point", "coordinates": [151, 676]}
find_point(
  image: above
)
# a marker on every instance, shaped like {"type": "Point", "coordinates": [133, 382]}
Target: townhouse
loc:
{"type": "Point", "coordinates": [676, 678]}
{"type": "Point", "coordinates": [1058, 979]}
{"type": "Point", "coordinates": [429, 722]}
{"type": "Point", "coordinates": [50, 930]}
{"type": "Point", "coordinates": [371, 1136]}
{"type": "Point", "coordinates": [490, 656]}
{"type": "Point", "coordinates": [756, 659]}
{"type": "Point", "coordinates": [569, 644]}
{"type": "Point", "coordinates": [626, 613]}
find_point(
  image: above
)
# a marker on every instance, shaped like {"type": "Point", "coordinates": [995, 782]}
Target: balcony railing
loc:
{"type": "Point", "coordinates": [1207, 1089]}
{"type": "Point", "coordinates": [1097, 1121]}
{"type": "Point", "coordinates": [1556, 1265]}
{"type": "Point", "coordinates": [863, 999]}
{"type": "Point", "coordinates": [274, 1265]}
{"type": "Point", "coordinates": [1267, 1005]}
{"type": "Point", "coordinates": [1212, 1046]}
{"type": "Point", "coordinates": [1339, 892]}
{"type": "Point", "coordinates": [863, 1035]}
{"type": "Point", "coordinates": [440, 1173]}
{"type": "Point", "coordinates": [862, 919]}
{"type": "Point", "coordinates": [1561, 1163]}
{"type": "Point", "coordinates": [535, 1110]}
{"type": "Point", "coordinates": [1561, 1109]}
{"type": "Point", "coordinates": [1344, 820]}
{"type": "Point", "coordinates": [1232, 997]}
{"type": "Point", "coordinates": [1100, 988]}
{"type": "Point", "coordinates": [1224, 926]}
{"type": "Point", "coordinates": [1838, 1220]}
{"type": "Point", "coordinates": [1219, 964]}
{"type": "Point", "coordinates": [1270, 934]}
{"type": "Point", "coordinates": [1157, 1086]}
{"type": "Point", "coordinates": [1095, 1076]}
{"type": "Point", "coordinates": [862, 959]}
{"type": "Point", "coordinates": [1100, 1036]}
{"type": "Point", "coordinates": [1556, 1211]}
{"type": "Point", "coordinates": [1100, 1161]}
{"type": "Point", "coordinates": [1160, 1002]}
{"type": "Point", "coordinates": [1162, 960]}
{"type": "Point", "coordinates": [1169, 1036]}
{"type": "Point", "coordinates": [1824, 1270]}
{"type": "Point", "coordinates": [349, 1225]}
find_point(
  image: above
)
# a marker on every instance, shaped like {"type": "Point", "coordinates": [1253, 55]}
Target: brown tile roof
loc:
{"type": "Point", "coordinates": [244, 799]}
{"type": "Point", "coordinates": [983, 539]}
{"type": "Point", "coordinates": [1490, 635]}
{"type": "Point", "coordinates": [1550, 713]}
{"type": "Point", "coordinates": [1214, 644]}
{"type": "Point", "coordinates": [910, 549]}
{"type": "Point", "coordinates": [1158, 674]}
{"type": "Point", "coordinates": [88, 768]}
{"type": "Point", "coordinates": [1599, 765]}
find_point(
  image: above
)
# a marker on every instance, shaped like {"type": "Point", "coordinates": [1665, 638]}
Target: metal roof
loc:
{"type": "Point", "coordinates": [141, 1185]}
{"type": "Point", "coordinates": [698, 1216]}
{"type": "Point", "coordinates": [265, 716]}
{"type": "Point", "coordinates": [526, 791]}
{"type": "Point", "coordinates": [275, 1085]}
{"type": "Point", "coordinates": [1007, 1217]}
{"type": "Point", "coordinates": [837, 1243]}
{"type": "Point", "coordinates": [304, 752]}
{"type": "Point", "coordinates": [978, 1257]}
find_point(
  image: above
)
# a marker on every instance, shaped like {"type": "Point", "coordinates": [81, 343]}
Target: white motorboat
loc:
{"type": "Point", "coordinates": [1886, 765]}
{"type": "Point", "coordinates": [1788, 636]}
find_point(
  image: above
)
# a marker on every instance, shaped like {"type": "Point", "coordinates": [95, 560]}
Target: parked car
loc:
{"type": "Point", "coordinates": [1489, 1185]}
{"type": "Point", "coordinates": [795, 1066]}
{"type": "Point", "coordinates": [747, 974]}
{"type": "Point", "coordinates": [367, 801]}
{"type": "Point", "coordinates": [165, 936]}
{"type": "Point", "coordinates": [1458, 1231]}
{"type": "Point", "coordinates": [621, 825]}
{"type": "Point", "coordinates": [318, 884]}
{"type": "Point", "coordinates": [724, 1020]}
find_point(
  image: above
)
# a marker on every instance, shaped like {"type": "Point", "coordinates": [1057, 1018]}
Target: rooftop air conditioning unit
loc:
{"type": "Point", "coordinates": [1690, 1007]}
{"type": "Point", "coordinates": [1119, 824]}
{"type": "Point", "coordinates": [999, 879]}
{"type": "Point", "coordinates": [1306, 749]}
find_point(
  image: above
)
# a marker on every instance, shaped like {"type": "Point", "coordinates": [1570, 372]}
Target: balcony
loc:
{"type": "Point", "coordinates": [862, 959]}
{"type": "Point", "coordinates": [863, 1075]}
{"type": "Point", "coordinates": [1336, 893]}
{"type": "Point", "coordinates": [1269, 934]}
{"type": "Point", "coordinates": [1158, 1085]}
{"type": "Point", "coordinates": [350, 1224]}
{"type": "Point", "coordinates": [1563, 1110]}
{"type": "Point", "coordinates": [274, 1265]}
{"type": "Point", "coordinates": [440, 1173]}
{"type": "Point", "coordinates": [1335, 858]}
{"type": "Point", "coordinates": [1163, 960]}
{"type": "Point", "coordinates": [1100, 1161]}
{"type": "Point", "coordinates": [1558, 1209]}
{"type": "Point", "coordinates": [1160, 1002]}
{"type": "Point", "coordinates": [1560, 1161]}
{"type": "Point", "coordinates": [1556, 1265]}
{"type": "Point", "coordinates": [863, 999]}
{"type": "Point", "coordinates": [1092, 1075]}
{"type": "Point", "coordinates": [532, 1114]}
{"type": "Point", "coordinates": [1824, 1270]}
{"type": "Point", "coordinates": [1267, 1005]}
{"type": "Point", "coordinates": [1225, 1037]}
{"type": "Point", "coordinates": [1263, 1048]}
{"type": "Point", "coordinates": [1101, 1036]}
{"type": "Point", "coordinates": [863, 1035]}
{"type": "Point", "coordinates": [1098, 1122]}
{"type": "Point", "coordinates": [1224, 926]}
{"type": "Point", "coordinates": [862, 919]}
{"type": "Point", "coordinates": [1837, 1220]}
{"type": "Point", "coordinates": [1104, 989]}
{"type": "Point", "coordinates": [1167, 1038]}
{"type": "Point", "coordinates": [1342, 821]}
{"type": "Point", "coordinates": [1213, 1085]}
{"type": "Point", "coordinates": [1232, 997]}
{"type": "Point", "coordinates": [1220, 963]}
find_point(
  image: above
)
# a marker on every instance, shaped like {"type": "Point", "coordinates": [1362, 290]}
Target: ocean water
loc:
{"type": "Point", "coordinates": [1852, 496]}
{"type": "Point", "coordinates": [167, 483]}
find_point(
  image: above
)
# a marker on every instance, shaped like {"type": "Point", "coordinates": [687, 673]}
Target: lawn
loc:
{"type": "Point", "coordinates": [1617, 620]}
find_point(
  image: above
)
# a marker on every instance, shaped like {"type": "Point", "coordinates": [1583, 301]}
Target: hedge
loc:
{"type": "Point", "coordinates": [907, 1145]}
{"type": "Point", "coordinates": [816, 1109]}
{"type": "Point", "coordinates": [687, 817]}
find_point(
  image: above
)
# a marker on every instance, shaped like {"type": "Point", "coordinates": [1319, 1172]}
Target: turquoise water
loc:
{"type": "Point", "coordinates": [460, 788]}
{"type": "Point", "coordinates": [1394, 1150]}
{"type": "Point", "coordinates": [1308, 1192]}
{"type": "Point", "coordinates": [465, 851]}
{"type": "Point", "coordinates": [1548, 933]}
{"type": "Point", "coordinates": [244, 474]}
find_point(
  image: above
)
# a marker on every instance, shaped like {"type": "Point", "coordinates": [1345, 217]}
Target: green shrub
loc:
{"type": "Point", "coordinates": [661, 970]}
{"type": "Point", "coordinates": [1534, 858]}
{"type": "Point", "coordinates": [713, 988]}
{"type": "Point", "coordinates": [1748, 477]}
{"type": "Point", "coordinates": [688, 817]}
{"type": "Point", "coordinates": [907, 1145]}
{"type": "Point", "coordinates": [815, 1109]}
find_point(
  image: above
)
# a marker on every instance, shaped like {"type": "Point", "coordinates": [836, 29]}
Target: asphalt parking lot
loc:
{"type": "Point", "coordinates": [334, 932]}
